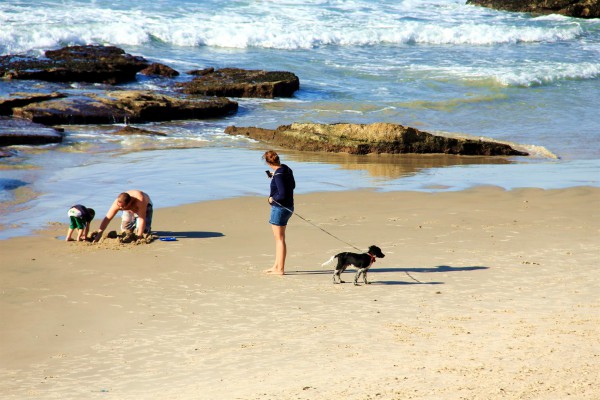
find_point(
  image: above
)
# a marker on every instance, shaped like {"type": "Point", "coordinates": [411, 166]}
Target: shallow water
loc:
{"type": "Point", "coordinates": [180, 176]}
{"type": "Point", "coordinates": [435, 65]}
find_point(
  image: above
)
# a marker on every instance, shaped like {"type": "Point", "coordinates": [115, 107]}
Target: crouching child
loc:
{"type": "Point", "coordinates": [80, 218]}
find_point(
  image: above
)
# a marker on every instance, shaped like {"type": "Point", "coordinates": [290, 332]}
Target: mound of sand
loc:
{"type": "Point", "coordinates": [114, 239]}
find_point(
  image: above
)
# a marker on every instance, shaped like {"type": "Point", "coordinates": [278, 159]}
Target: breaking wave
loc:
{"type": "Point", "coordinates": [259, 24]}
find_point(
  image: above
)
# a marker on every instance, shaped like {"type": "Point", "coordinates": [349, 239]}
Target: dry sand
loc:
{"type": "Point", "coordinates": [483, 294]}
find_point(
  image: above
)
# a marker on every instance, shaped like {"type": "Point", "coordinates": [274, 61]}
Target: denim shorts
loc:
{"type": "Point", "coordinates": [279, 215]}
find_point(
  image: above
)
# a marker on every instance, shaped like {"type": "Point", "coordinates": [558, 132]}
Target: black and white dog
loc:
{"type": "Point", "coordinates": [362, 262]}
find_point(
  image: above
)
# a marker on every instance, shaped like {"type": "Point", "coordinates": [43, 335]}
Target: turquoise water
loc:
{"type": "Point", "coordinates": [435, 65]}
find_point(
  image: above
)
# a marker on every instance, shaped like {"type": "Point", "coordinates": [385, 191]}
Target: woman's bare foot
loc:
{"type": "Point", "coordinates": [274, 271]}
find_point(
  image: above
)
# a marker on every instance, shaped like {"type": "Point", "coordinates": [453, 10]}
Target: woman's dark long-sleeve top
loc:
{"type": "Point", "coordinates": [283, 185]}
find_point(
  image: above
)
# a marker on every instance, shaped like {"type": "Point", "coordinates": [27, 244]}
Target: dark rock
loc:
{"type": "Point", "coordinates": [15, 131]}
{"type": "Point", "coordinates": [131, 130]}
{"type": "Point", "coordinates": [96, 64]}
{"type": "Point", "coordinates": [201, 72]}
{"type": "Point", "coordinates": [148, 107]}
{"type": "Point", "coordinates": [373, 138]}
{"type": "Point", "coordinates": [78, 110]}
{"type": "Point", "coordinates": [571, 8]}
{"type": "Point", "coordinates": [123, 107]}
{"type": "Point", "coordinates": [23, 99]}
{"type": "Point", "coordinates": [159, 70]}
{"type": "Point", "coordinates": [235, 82]}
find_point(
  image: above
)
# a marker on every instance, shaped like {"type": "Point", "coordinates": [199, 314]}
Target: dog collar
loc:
{"type": "Point", "coordinates": [372, 258]}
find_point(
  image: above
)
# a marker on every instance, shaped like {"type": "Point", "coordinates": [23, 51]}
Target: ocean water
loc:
{"type": "Point", "coordinates": [439, 66]}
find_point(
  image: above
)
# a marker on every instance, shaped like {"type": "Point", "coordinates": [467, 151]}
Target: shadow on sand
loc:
{"type": "Point", "coordinates": [188, 235]}
{"type": "Point", "coordinates": [410, 281]}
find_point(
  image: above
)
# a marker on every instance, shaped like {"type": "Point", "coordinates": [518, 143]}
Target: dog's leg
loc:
{"type": "Point", "coordinates": [360, 271]}
{"type": "Point", "coordinates": [340, 275]}
{"type": "Point", "coordinates": [336, 269]}
{"type": "Point", "coordinates": [365, 276]}
{"type": "Point", "coordinates": [336, 273]}
{"type": "Point", "coordinates": [340, 268]}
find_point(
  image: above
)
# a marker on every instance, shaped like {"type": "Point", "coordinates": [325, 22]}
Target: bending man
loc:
{"type": "Point", "coordinates": [137, 213]}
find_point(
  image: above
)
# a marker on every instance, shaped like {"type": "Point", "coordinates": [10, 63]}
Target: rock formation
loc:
{"type": "Point", "coordinates": [235, 82]}
{"type": "Point", "coordinates": [95, 64]}
{"type": "Point", "coordinates": [19, 132]}
{"type": "Point", "coordinates": [571, 8]}
{"type": "Point", "coordinates": [22, 99]}
{"type": "Point", "coordinates": [111, 65]}
{"type": "Point", "coordinates": [372, 138]}
{"type": "Point", "coordinates": [157, 69]}
{"type": "Point", "coordinates": [132, 130]}
{"type": "Point", "coordinates": [122, 107]}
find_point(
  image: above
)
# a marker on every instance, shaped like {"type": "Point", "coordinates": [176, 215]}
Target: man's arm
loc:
{"type": "Point", "coordinates": [112, 211]}
{"type": "Point", "coordinates": [141, 221]}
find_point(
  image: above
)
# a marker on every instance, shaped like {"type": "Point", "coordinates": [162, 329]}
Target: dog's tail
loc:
{"type": "Point", "coordinates": [330, 261]}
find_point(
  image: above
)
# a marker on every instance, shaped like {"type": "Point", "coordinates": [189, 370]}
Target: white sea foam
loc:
{"type": "Point", "coordinates": [262, 25]}
{"type": "Point", "coordinates": [547, 73]}
{"type": "Point", "coordinates": [519, 74]}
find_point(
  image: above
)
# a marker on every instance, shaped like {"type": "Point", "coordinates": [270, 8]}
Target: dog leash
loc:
{"type": "Point", "coordinates": [316, 226]}
{"type": "Point", "coordinates": [333, 236]}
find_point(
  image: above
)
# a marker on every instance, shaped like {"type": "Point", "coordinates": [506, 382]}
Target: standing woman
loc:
{"type": "Point", "coordinates": [281, 199]}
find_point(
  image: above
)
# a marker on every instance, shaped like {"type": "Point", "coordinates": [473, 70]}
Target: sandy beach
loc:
{"type": "Point", "coordinates": [483, 294]}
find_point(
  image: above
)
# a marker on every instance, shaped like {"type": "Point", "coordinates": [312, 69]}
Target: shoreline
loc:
{"type": "Point", "coordinates": [483, 293]}
{"type": "Point", "coordinates": [43, 197]}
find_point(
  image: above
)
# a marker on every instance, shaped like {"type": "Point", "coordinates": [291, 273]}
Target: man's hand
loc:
{"type": "Point", "coordinates": [95, 237]}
